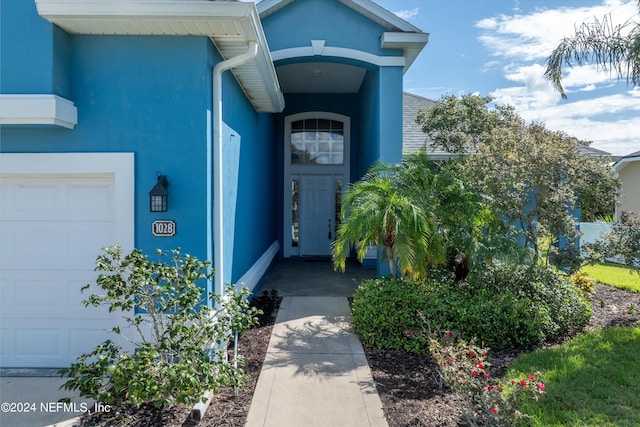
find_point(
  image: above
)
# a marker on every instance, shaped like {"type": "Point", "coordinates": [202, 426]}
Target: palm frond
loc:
{"type": "Point", "coordinates": [613, 48]}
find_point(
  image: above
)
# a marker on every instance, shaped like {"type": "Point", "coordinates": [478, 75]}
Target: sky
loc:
{"type": "Point", "coordinates": [499, 48]}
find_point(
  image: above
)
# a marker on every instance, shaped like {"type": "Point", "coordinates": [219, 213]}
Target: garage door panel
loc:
{"type": "Point", "coordinates": [52, 229]}
{"type": "Point", "coordinates": [93, 198]}
{"type": "Point", "coordinates": [34, 343]}
{"type": "Point", "coordinates": [57, 199]}
{"type": "Point", "coordinates": [29, 199]}
{"type": "Point", "coordinates": [55, 297]}
{"type": "Point", "coordinates": [53, 245]}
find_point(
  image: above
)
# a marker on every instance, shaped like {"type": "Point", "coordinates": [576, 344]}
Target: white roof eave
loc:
{"type": "Point", "coordinates": [411, 44]}
{"type": "Point", "coordinates": [230, 25]}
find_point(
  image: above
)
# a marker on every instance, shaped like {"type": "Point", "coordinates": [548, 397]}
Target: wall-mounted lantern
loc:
{"type": "Point", "coordinates": [158, 195]}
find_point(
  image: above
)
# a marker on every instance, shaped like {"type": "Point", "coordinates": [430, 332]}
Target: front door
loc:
{"type": "Point", "coordinates": [316, 215]}
{"type": "Point", "coordinates": [316, 167]}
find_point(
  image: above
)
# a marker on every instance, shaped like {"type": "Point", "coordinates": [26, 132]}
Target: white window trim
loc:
{"type": "Point", "coordinates": [296, 170]}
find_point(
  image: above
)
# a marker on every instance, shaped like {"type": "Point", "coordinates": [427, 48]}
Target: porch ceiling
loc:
{"type": "Point", "coordinates": [320, 77]}
{"type": "Point", "coordinates": [230, 25]}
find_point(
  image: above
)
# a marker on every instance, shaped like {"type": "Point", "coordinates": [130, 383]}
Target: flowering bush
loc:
{"type": "Point", "coordinates": [464, 368]}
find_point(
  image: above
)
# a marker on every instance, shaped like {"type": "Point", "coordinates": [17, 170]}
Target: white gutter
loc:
{"type": "Point", "coordinates": [218, 223]}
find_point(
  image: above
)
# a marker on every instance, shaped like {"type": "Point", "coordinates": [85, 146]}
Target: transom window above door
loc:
{"type": "Point", "coordinates": [317, 142]}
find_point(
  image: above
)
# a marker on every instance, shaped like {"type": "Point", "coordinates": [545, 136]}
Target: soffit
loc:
{"type": "Point", "coordinates": [230, 25]}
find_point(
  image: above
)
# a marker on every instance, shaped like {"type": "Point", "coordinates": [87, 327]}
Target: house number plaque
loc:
{"type": "Point", "coordinates": [163, 228]}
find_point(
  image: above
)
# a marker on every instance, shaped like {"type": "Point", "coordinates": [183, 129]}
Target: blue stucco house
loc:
{"type": "Point", "coordinates": [257, 116]}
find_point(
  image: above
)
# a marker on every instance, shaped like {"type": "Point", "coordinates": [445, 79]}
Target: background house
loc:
{"type": "Point", "coordinates": [628, 168]}
{"type": "Point", "coordinates": [258, 116]}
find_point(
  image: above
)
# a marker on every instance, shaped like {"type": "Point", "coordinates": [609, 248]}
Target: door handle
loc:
{"type": "Point", "coordinates": [329, 228]}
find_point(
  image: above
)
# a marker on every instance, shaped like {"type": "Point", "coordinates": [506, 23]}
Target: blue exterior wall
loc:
{"type": "Point", "coordinates": [304, 20]}
{"type": "Point", "coordinates": [136, 94]}
{"type": "Point", "coordinates": [150, 95]}
{"type": "Point", "coordinates": [34, 54]}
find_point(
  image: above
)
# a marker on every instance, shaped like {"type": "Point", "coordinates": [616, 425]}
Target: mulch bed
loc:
{"type": "Point", "coordinates": [407, 384]}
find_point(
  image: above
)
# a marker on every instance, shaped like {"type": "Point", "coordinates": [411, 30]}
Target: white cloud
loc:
{"type": "Point", "coordinates": [590, 120]}
{"type": "Point", "coordinates": [407, 14]}
{"type": "Point", "coordinates": [521, 44]}
{"type": "Point", "coordinates": [533, 36]}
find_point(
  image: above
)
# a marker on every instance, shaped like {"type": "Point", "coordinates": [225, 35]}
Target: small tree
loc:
{"type": "Point", "coordinates": [528, 174]}
{"type": "Point", "coordinates": [622, 243]}
{"type": "Point", "coordinates": [376, 211]}
{"type": "Point", "coordinates": [172, 332]}
{"type": "Point", "coordinates": [423, 214]}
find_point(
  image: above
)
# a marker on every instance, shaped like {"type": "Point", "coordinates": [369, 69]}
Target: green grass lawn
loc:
{"type": "Point", "coordinates": [614, 275]}
{"type": "Point", "coordinates": [592, 380]}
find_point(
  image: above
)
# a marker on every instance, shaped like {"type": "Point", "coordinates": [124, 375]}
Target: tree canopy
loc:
{"type": "Point", "coordinates": [529, 174]}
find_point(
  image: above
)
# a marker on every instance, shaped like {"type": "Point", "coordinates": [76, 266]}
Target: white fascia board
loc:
{"type": "Point", "coordinates": [411, 43]}
{"type": "Point", "coordinates": [45, 109]}
{"type": "Point", "coordinates": [366, 8]}
{"type": "Point", "coordinates": [68, 14]}
{"type": "Point", "coordinates": [382, 14]}
{"type": "Point", "coordinates": [623, 162]}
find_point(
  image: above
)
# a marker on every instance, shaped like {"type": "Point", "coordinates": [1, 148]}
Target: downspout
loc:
{"type": "Point", "coordinates": [218, 223]}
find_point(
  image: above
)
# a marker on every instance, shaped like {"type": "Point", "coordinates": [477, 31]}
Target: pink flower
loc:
{"type": "Point", "coordinates": [480, 366]}
{"type": "Point", "coordinates": [474, 373]}
{"type": "Point", "coordinates": [532, 378]}
{"type": "Point", "coordinates": [451, 360]}
{"type": "Point", "coordinates": [523, 383]}
{"type": "Point", "coordinates": [494, 410]}
{"type": "Point", "coordinates": [448, 334]}
{"type": "Point", "coordinates": [486, 375]}
{"type": "Point", "coordinates": [541, 387]}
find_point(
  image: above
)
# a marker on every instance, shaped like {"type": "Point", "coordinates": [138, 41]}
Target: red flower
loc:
{"type": "Point", "coordinates": [523, 383]}
{"type": "Point", "coordinates": [489, 388]}
{"type": "Point", "coordinates": [486, 375]}
{"type": "Point", "coordinates": [480, 366]}
{"type": "Point", "coordinates": [541, 387]}
{"type": "Point", "coordinates": [448, 334]}
{"type": "Point", "coordinates": [474, 373]}
{"type": "Point", "coordinates": [451, 360]}
{"type": "Point", "coordinates": [472, 354]}
{"type": "Point", "coordinates": [494, 410]}
{"type": "Point", "coordinates": [500, 389]}
{"type": "Point", "coordinates": [532, 378]}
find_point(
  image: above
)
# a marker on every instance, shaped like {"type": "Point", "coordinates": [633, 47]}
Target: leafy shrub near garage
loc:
{"type": "Point", "coordinates": [504, 307]}
{"type": "Point", "coordinates": [170, 326]}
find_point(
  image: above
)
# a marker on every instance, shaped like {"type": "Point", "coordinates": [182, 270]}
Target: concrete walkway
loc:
{"type": "Point", "coordinates": [315, 372]}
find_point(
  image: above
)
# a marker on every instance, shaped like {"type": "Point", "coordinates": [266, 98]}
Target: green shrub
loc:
{"type": "Point", "coordinates": [172, 332]}
{"type": "Point", "coordinates": [557, 306]}
{"type": "Point", "coordinates": [502, 307]}
{"type": "Point", "coordinates": [386, 314]}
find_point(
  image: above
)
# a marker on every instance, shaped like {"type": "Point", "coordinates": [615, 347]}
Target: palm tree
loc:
{"type": "Point", "coordinates": [615, 48]}
{"type": "Point", "coordinates": [377, 211]}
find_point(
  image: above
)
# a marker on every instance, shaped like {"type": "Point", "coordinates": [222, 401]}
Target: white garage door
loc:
{"type": "Point", "coordinates": [52, 227]}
